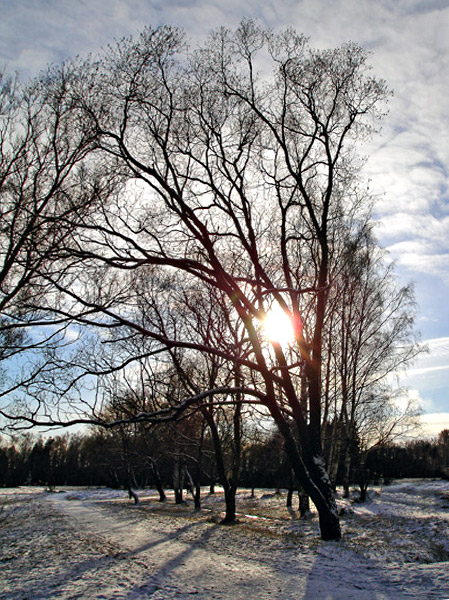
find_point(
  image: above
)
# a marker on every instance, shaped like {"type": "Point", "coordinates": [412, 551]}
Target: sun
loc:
{"type": "Point", "coordinates": [278, 327]}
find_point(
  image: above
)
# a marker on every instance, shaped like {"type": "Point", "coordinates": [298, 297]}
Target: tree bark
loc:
{"type": "Point", "coordinates": [304, 503]}
{"type": "Point", "coordinates": [197, 497]}
{"type": "Point", "coordinates": [309, 469]}
{"type": "Point", "coordinates": [132, 494]}
{"type": "Point", "coordinates": [157, 481]}
{"type": "Point", "coordinates": [230, 514]}
{"type": "Point", "coordinates": [229, 487]}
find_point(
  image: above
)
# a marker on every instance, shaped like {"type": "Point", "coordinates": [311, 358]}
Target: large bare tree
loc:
{"type": "Point", "coordinates": [236, 163]}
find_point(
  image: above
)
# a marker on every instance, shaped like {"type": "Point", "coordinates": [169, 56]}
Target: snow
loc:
{"type": "Point", "coordinates": [96, 544]}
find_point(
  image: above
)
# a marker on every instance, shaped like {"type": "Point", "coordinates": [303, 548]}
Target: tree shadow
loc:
{"type": "Point", "coordinates": [161, 580]}
{"type": "Point", "coordinates": [339, 575]}
{"type": "Point", "coordinates": [76, 570]}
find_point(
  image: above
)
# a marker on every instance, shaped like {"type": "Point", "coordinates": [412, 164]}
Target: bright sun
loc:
{"type": "Point", "coordinates": [277, 326]}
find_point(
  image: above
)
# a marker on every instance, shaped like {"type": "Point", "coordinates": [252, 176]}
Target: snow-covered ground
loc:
{"type": "Point", "coordinates": [95, 544]}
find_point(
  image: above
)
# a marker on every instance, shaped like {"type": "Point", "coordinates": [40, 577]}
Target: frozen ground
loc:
{"type": "Point", "coordinates": [95, 544]}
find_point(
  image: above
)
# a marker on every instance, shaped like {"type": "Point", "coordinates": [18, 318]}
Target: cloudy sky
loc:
{"type": "Point", "coordinates": [408, 161]}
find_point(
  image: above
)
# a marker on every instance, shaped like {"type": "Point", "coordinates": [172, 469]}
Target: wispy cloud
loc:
{"type": "Point", "coordinates": [426, 370]}
{"type": "Point", "coordinates": [422, 255]}
{"type": "Point", "coordinates": [436, 358]}
{"type": "Point", "coordinates": [427, 377]}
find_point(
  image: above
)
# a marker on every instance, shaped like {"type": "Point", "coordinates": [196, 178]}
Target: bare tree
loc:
{"type": "Point", "coordinates": [370, 338]}
{"type": "Point", "coordinates": [238, 182]}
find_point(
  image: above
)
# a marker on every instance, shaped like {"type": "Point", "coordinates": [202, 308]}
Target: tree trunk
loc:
{"type": "Point", "coordinates": [347, 465]}
{"type": "Point", "coordinates": [161, 492]}
{"type": "Point", "coordinates": [363, 478]}
{"type": "Point", "coordinates": [363, 491]}
{"type": "Point", "coordinates": [178, 480]}
{"type": "Point", "coordinates": [335, 446]}
{"type": "Point", "coordinates": [304, 503]}
{"type": "Point", "coordinates": [158, 481]}
{"type": "Point", "coordinates": [317, 485]}
{"type": "Point", "coordinates": [310, 472]}
{"type": "Point", "coordinates": [229, 487]}
{"type": "Point", "coordinates": [132, 494]}
{"type": "Point", "coordinates": [195, 490]}
{"type": "Point", "coordinates": [230, 492]}
{"type": "Point", "coordinates": [197, 497]}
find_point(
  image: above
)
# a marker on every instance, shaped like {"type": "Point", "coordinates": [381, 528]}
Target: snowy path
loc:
{"type": "Point", "coordinates": [187, 560]}
{"type": "Point", "coordinates": [100, 550]}
{"type": "Point", "coordinates": [170, 561]}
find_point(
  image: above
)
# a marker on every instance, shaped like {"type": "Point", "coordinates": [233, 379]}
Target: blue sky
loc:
{"type": "Point", "coordinates": [408, 161]}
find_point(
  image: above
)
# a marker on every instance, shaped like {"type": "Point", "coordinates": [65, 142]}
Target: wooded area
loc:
{"type": "Point", "coordinates": [140, 459]}
{"type": "Point", "coordinates": [158, 204]}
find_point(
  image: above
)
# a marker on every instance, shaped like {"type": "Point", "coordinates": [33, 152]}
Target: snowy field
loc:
{"type": "Point", "coordinates": [95, 544]}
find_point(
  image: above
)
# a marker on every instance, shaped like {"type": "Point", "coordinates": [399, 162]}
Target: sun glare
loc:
{"type": "Point", "coordinates": [278, 327]}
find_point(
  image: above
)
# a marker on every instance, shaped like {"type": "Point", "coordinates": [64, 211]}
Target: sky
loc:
{"type": "Point", "coordinates": [407, 162]}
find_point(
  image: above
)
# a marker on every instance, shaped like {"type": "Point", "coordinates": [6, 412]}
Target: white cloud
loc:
{"type": "Point", "coordinates": [433, 423]}
{"type": "Point", "coordinates": [432, 230]}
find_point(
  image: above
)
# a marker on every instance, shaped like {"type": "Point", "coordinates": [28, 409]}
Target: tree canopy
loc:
{"type": "Point", "coordinates": [162, 201]}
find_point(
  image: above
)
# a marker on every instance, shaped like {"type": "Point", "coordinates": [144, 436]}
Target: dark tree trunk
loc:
{"type": "Point", "coordinates": [230, 515]}
{"type": "Point", "coordinates": [178, 480]}
{"type": "Point", "coordinates": [157, 481]}
{"type": "Point", "coordinates": [197, 497]}
{"type": "Point", "coordinates": [363, 478]}
{"type": "Point", "coordinates": [229, 487]}
{"type": "Point", "coordinates": [363, 491]}
{"type": "Point", "coordinates": [195, 489]}
{"type": "Point", "coordinates": [304, 503]}
{"type": "Point", "coordinates": [322, 496]}
{"type": "Point", "coordinates": [161, 492]}
{"type": "Point", "coordinates": [346, 470]}
{"type": "Point", "coordinates": [309, 469]}
{"type": "Point", "coordinates": [132, 494]}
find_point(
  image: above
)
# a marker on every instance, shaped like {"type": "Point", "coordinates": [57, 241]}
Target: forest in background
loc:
{"type": "Point", "coordinates": [175, 459]}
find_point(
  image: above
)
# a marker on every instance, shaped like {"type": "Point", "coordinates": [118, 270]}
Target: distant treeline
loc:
{"type": "Point", "coordinates": [104, 458]}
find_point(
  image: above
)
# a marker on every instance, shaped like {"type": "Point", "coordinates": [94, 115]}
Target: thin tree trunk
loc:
{"type": "Point", "coordinates": [132, 494]}
{"type": "Point", "coordinates": [228, 486]}
{"type": "Point", "coordinates": [178, 480]}
{"type": "Point", "coordinates": [195, 490]}
{"type": "Point", "coordinates": [346, 471]}
{"type": "Point", "coordinates": [304, 503]}
{"type": "Point", "coordinates": [197, 497]}
{"type": "Point", "coordinates": [157, 481]}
